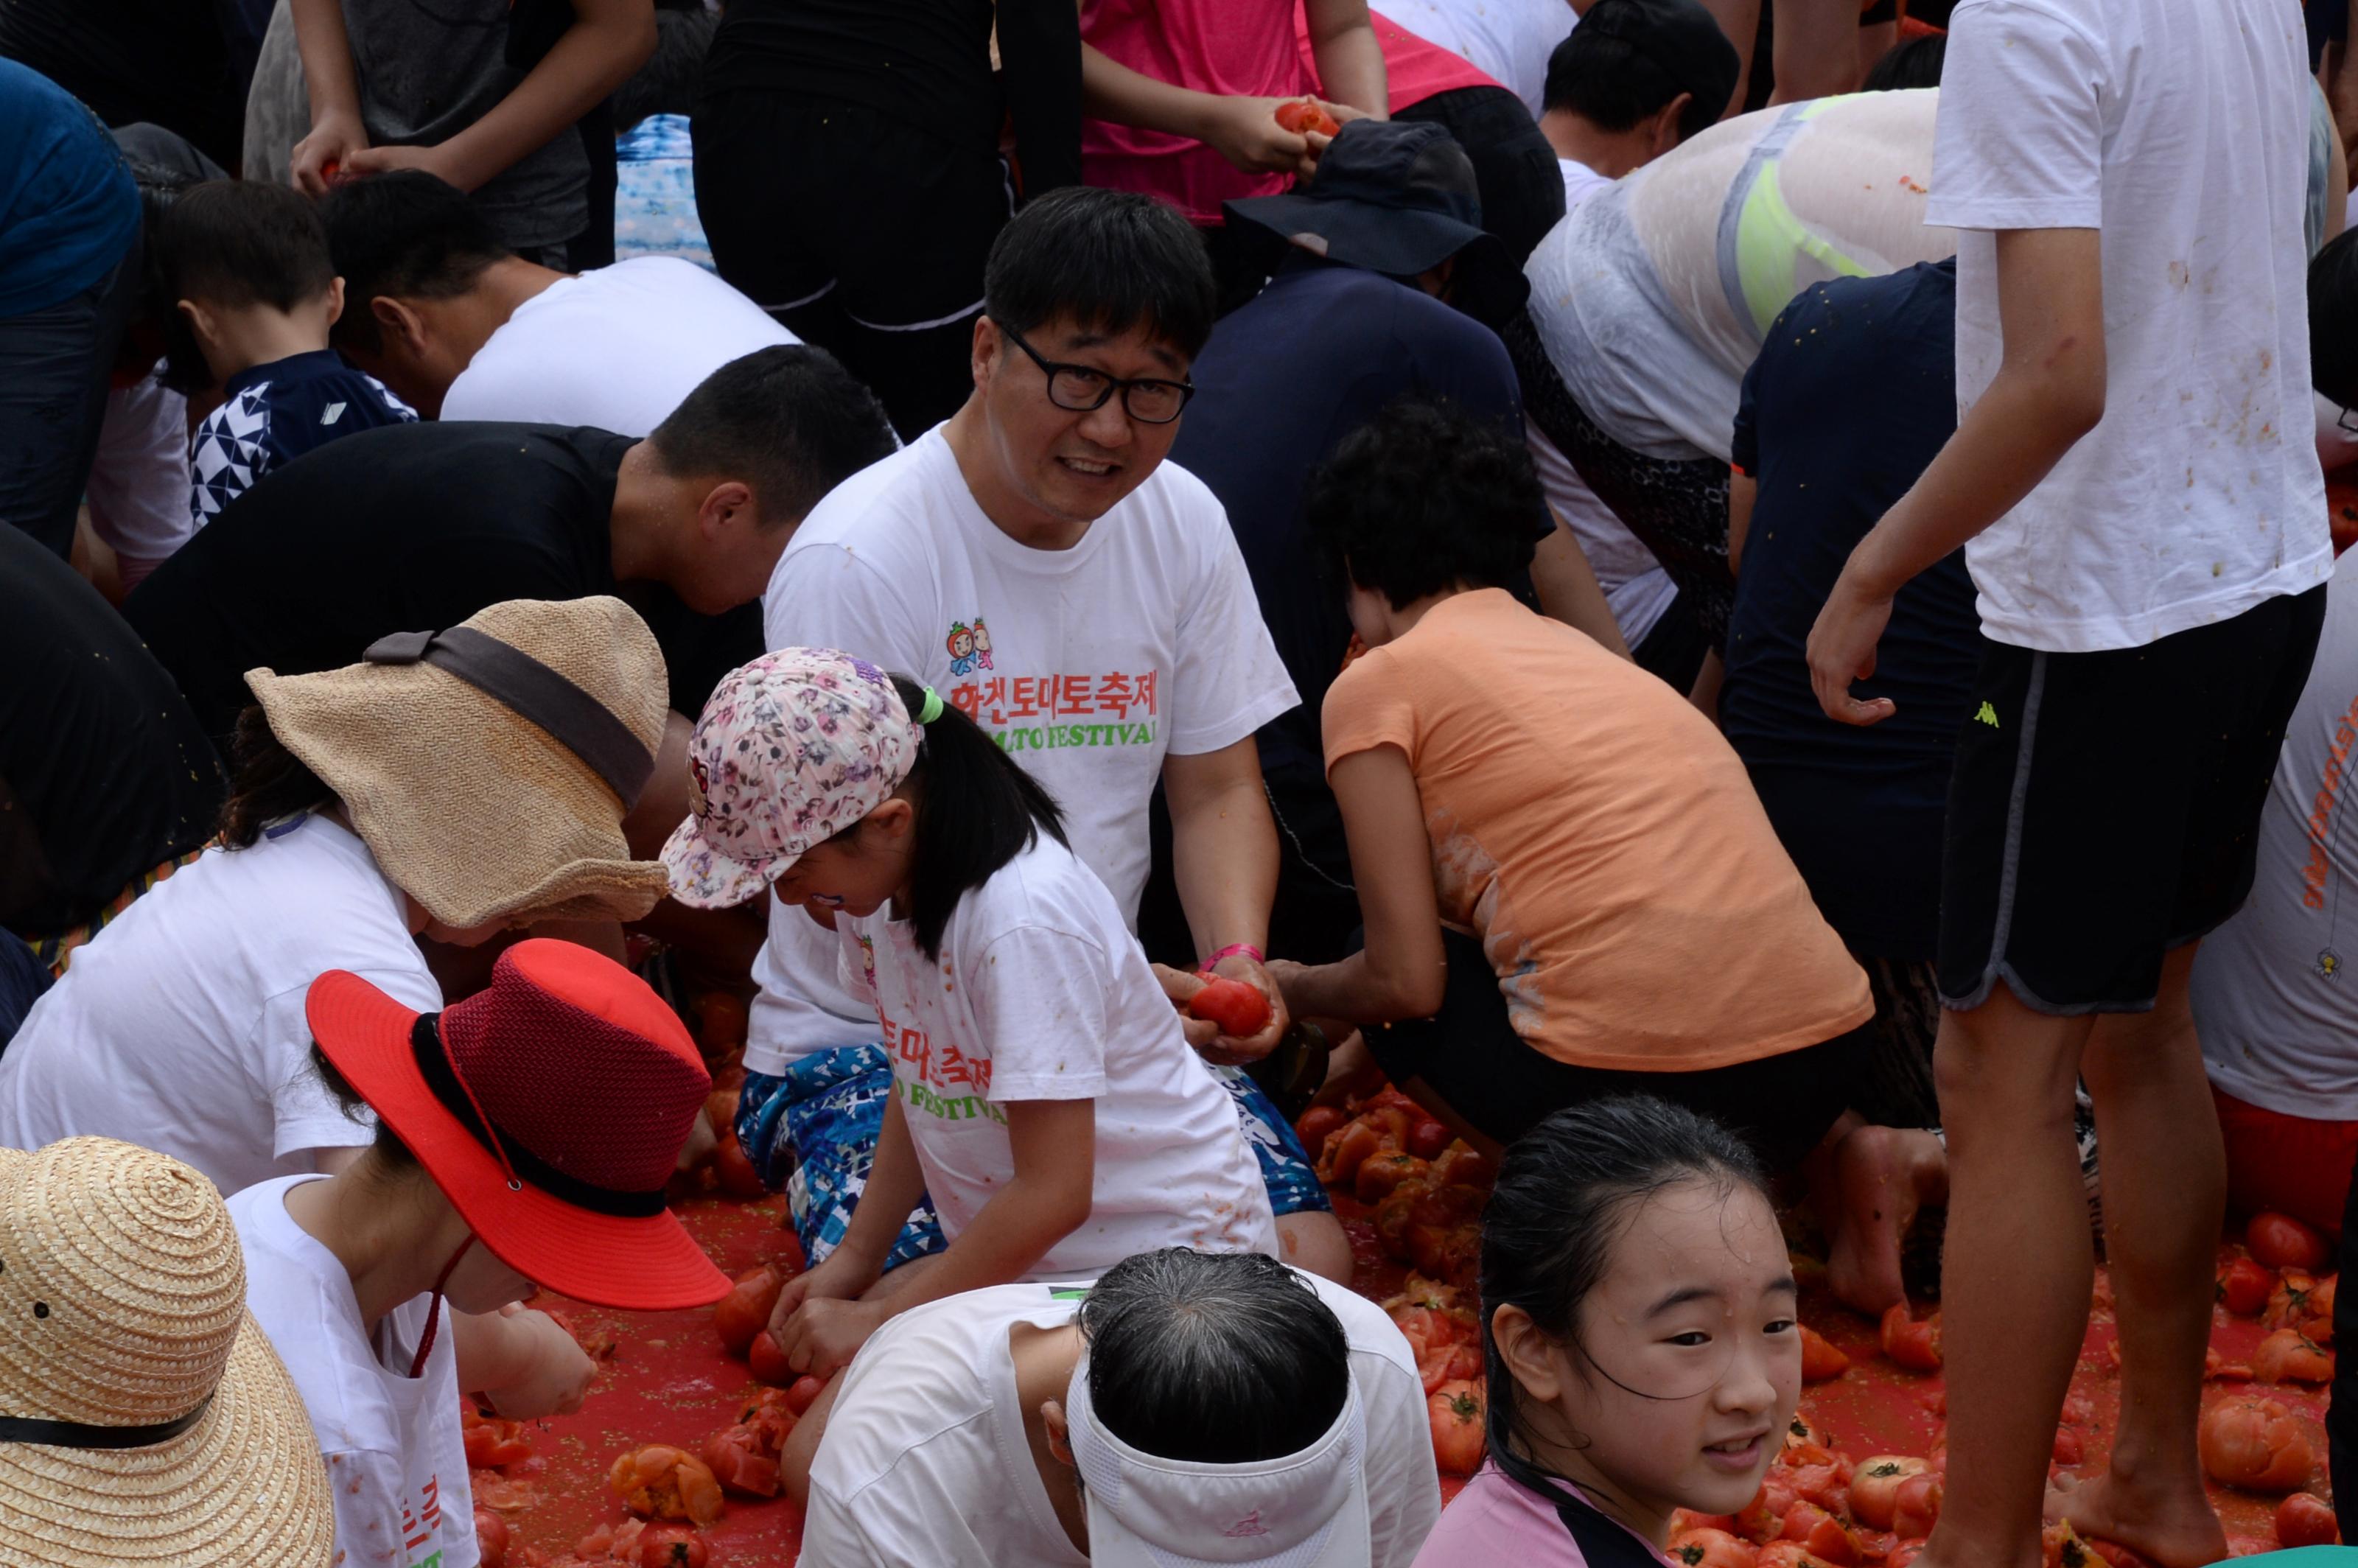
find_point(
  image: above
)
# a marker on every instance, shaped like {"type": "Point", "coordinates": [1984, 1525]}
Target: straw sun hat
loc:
{"type": "Point", "coordinates": [488, 767]}
{"type": "Point", "coordinates": [122, 1320]}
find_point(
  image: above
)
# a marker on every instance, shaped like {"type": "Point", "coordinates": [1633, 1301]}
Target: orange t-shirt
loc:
{"type": "Point", "coordinates": [1601, 839]}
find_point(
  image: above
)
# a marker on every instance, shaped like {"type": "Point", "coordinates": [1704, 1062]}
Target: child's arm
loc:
{"type": "Point", "coordinates": [524, 1362]}
{"type": "Point", "coordinates": [1243, 130]}
{"type": "Point", "coordinates": [1054, 1145]}
{"type": "Point", "coordinates": [1350, 61]}
{"type": "Point", "coordinates": [2048, 392]}
{"type": "Point", "coordinates": [609, 40]}
{"type": "Point", "coordinates": [336, 131]}
{"type": "Point", "coordinates": [1400, 972]}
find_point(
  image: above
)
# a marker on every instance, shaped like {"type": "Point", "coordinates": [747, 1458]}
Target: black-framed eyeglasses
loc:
{"type": "Point", "coordinates": [1080, 389]}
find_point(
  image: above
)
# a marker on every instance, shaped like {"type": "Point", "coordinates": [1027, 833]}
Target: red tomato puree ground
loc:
{"type": "Point", "coordinates": [670, 1382]}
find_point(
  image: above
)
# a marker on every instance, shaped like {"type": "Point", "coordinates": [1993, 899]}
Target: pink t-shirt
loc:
{"type": "Point", "coordinates": [1495, 1519]}
{"type": "Point", "coordinates": [1234, 47]}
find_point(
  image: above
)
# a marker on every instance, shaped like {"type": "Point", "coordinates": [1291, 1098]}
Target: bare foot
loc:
{"type": "Point", "coordinates": [2172, 1526]}
{"type": "Point", "coordinates": [1883, 1175]}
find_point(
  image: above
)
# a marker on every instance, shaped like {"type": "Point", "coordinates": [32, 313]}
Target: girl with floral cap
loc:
{"type": "Point", "coordinates": [1043, 1094]}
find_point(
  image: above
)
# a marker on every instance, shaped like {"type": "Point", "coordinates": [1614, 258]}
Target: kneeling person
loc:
{"type": "Point", "coordinates": [1182, 1404]}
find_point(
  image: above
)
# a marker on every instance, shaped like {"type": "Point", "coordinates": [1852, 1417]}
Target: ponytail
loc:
{"type": "Point", "coordinates": [1567, 1192]}
{"type": "Point", "coordinates": [976, 810]}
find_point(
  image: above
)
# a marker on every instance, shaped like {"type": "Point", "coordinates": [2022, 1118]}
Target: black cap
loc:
{"type": "Point", "coordinates": [1396, 196]}
{"type": "Point", "coordinates": [1678, 37]}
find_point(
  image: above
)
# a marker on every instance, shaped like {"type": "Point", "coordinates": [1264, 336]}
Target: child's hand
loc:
{"type": "Point", "coordinates": [1245, 131]}
{"type": "Point", "coordinates": [383, 161]}
{"type": "Point", "coordinates": [840, 1278]}
{"type": "Point", "coordinates": [825, 1334]}
{"type": "Point", "coordinates": [319, 156]}
{"type": "Point", "coordinates": [552, 1373]}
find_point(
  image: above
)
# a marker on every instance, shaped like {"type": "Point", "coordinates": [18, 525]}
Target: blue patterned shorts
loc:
{"type": "Point", "coordinates": [812, 1131]}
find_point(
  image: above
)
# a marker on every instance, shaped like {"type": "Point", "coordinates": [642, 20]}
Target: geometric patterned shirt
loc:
{"type": "Point", "coordinates": [272, 414]}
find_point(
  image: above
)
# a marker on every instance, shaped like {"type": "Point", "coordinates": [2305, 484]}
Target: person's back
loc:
{"type": "Point", "coordinates": [410, 527]}
{"type": "Point", "coordinates": [1310, 358]}
{"type": "Point", "coordinates": [1601, 839]}
{"type": "Point", "coordinates": [1852, 396]}
{"type": "Point", "coordinates": [2197, 176]}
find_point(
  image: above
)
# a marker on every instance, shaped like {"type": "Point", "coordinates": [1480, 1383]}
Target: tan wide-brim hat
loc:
{"type": "Point", "coordinates": [123, 1306]}
{"type": "Point", "coordinates": [477, 812]}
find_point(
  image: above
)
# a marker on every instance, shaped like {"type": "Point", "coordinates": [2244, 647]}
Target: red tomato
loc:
{"type": "Point", "coordinates": [1757, 1521]}
{"type": "Point", "coordinates": [1302, 116]}
{"type": "Point", "coordinates": [1788, 1555]}
{"type": "Point", "coordinates": [1820, 1361]}
{"type": "Point", "coordinates": [740, 1461]}
{"type": "Point", "coordinates": [1317, 1123]}
{"type": "Point", "coordinates": [662, 1481]}
{"type": "Point", "coordinates": [1901, 1555]}
{"type": "Point", "coordinates": [2302, 1519]}
{"type": "Point", "coordinates": [1820, 1533]}
{"type": "Point", "coordinates": [733, 1168]}
{"type": "Point", "coordinates": [1916, 1505]}
{"type": "Point", "coordinates": [2281, 1241]}
{"type": "Point", "coordinates": [767, 1415]}
{"type": "Point", "coordinates": [744, 1311]}
{"type": "Point", "coordinates": [2288, 1303]}
{"type": "Point", "coordinates": [1379, 1174]}
{"type": "Point", "coordinates": [2068, 1450]}
{"type": "Point", "coordinates": [1915, 1346]}
{"type": "Point", "coordinates": [1239, 1009]}
{"type": "Point", "coordinates": [1822, 1485]}
{"type": "Point", "coordinates": [1456, 1413]}
{"type": "Point", "coordinates": [492, 1538]}
{"type": "Point", "coordinates": [672, 1546]}
{"type": "Point", "coordinates": [492, 1443]}
{"type": "Point", "coordinates": [2256, 1444]}
{"type": "Point", "coordinates": [1874, 1486]}
{"type": "Point", "coordinates": [802, 1393]}
{"type": "Point", "coordinates": [2289, 1356]}
{"type": "Point", "coordinates": [2244, 1287]}
{"type": "Point", "coordinates": [1449, 1364]}
{"type": "Point", "coordinates": [1462, 1166]}
{"type": "Point", "coordinates": [767, 1362]}
{"type": "Point", "coordinates": [1685, 1520]}
{"type": "Point", "coordinates": [1426, 1140]}
{"type": "Point", "coordinates": [1710, 1548]}
{"type": "Point", "coordinates": [1346, 1152]}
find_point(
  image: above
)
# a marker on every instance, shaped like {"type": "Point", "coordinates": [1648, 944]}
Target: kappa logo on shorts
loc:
{"type": "Point", "coordinates": [1987, 715]}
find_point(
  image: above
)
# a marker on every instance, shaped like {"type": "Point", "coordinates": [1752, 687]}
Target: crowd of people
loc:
{"type": "Point", "coordinates": [1121, 570]}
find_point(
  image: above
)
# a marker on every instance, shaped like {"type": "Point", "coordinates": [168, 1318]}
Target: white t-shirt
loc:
{"type": "Point", "coordinates": [139, 481]}
{"type": "Point", "coordinates": [926, 1461]}
{"type": "Point", "coordinates": [180, 1026]}
{"type": "Point", "coordinates": [2182, 131]}
{"type": "Point", "coordinates": [397, 1457]}
{"type": "Point", "coordinates": [1509, 40]}
{"type": "Point", "coordinates": [1653, 298]}
{"type": "Point", "coordinates": [2274, 1003]}
{"type": "Point", "coordinates": [1041, 993]}
{"type": "Point", "coordinates": [1636, 589]}
{"type": "Point", "coordinates": [1090, 664]}
{"type": "Point", "coordinates": [618, 348]}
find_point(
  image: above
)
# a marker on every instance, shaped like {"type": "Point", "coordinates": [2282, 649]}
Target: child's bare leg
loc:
{"type": "Point", "coordinates": [802, 1443]}
{"type": "Point", "coordinates": [2165, 1184]}
{"type": "Point", "coordinates": [2015, 1283]}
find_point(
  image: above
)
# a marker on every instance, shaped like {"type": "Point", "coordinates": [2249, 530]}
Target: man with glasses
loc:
{"type": "Point", "coordinates": [1034, 560]}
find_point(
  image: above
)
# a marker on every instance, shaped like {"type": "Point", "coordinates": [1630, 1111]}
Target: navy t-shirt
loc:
{"type": "Point", "coordinates": [1853, 394]}
{"type": "Point", "coordinates": [1282, 381]}
{"type": "Point", "coordinates": [272, 414]}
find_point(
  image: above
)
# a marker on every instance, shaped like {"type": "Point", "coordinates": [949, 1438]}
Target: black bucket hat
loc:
{"type": "Point", "coordinates": [1397, 198]}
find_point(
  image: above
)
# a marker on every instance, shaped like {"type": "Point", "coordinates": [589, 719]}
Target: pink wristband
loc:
{"type": "Point", "coordinates": [1233, 948]}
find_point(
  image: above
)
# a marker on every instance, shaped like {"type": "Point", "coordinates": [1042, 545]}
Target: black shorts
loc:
{"type": "Point", "coordinates": [1468, 1056]}
{"type": "Point", "coordinates": [2105, 806]}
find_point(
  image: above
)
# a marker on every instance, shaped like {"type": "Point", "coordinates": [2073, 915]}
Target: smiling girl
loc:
{"type": "Point", "coordinates": [1640, 1337]}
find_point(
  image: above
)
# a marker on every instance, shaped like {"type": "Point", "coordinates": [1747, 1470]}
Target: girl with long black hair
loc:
{"type": "Point", "coordinates": [1043, 1093]}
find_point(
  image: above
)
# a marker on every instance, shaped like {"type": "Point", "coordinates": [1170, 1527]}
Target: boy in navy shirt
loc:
{"type": "Point", "coordinates": [248, 265]}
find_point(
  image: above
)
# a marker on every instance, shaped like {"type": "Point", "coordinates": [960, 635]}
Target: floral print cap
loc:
{"type": "Point", "coordinates": [792, 748]}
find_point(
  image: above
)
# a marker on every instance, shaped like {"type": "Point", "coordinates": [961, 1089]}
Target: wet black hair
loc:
{"type": "Point", "coordinates": [402, 233]}
{"type": "Point", "coordinates": [1566, 1193]}
{"type": "Point", "coordinates": [391, 1151]}
{"type": "Point", "coordinates": [1911, 62]}
{"type": "Point", "coordinates": [241, 242]}
{"type": "Point", "coordinates": [788, 420]}
{"type": "Point", "coordinates": [1107, 260]}
{"type": "Point", "coordinates": [1423, 497]}
{"type": "Point", "coordinates": [2333, 319]}
{"type": "Point", "coordinates": [1608, 82]}
{"type": "Point", "coordinates": [976, 810]}
{"type": "Point", "coordinates": [267, 781]}
{"type": "Point", "coordinates": [1213, 1359]}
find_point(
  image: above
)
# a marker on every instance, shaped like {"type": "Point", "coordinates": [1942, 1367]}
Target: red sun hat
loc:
{"type": "Point", "coordinates": [550, 1108]}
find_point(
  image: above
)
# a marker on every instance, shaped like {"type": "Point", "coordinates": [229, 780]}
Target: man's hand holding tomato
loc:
{"type": "Point", "coordinates": [1209, 1042]}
